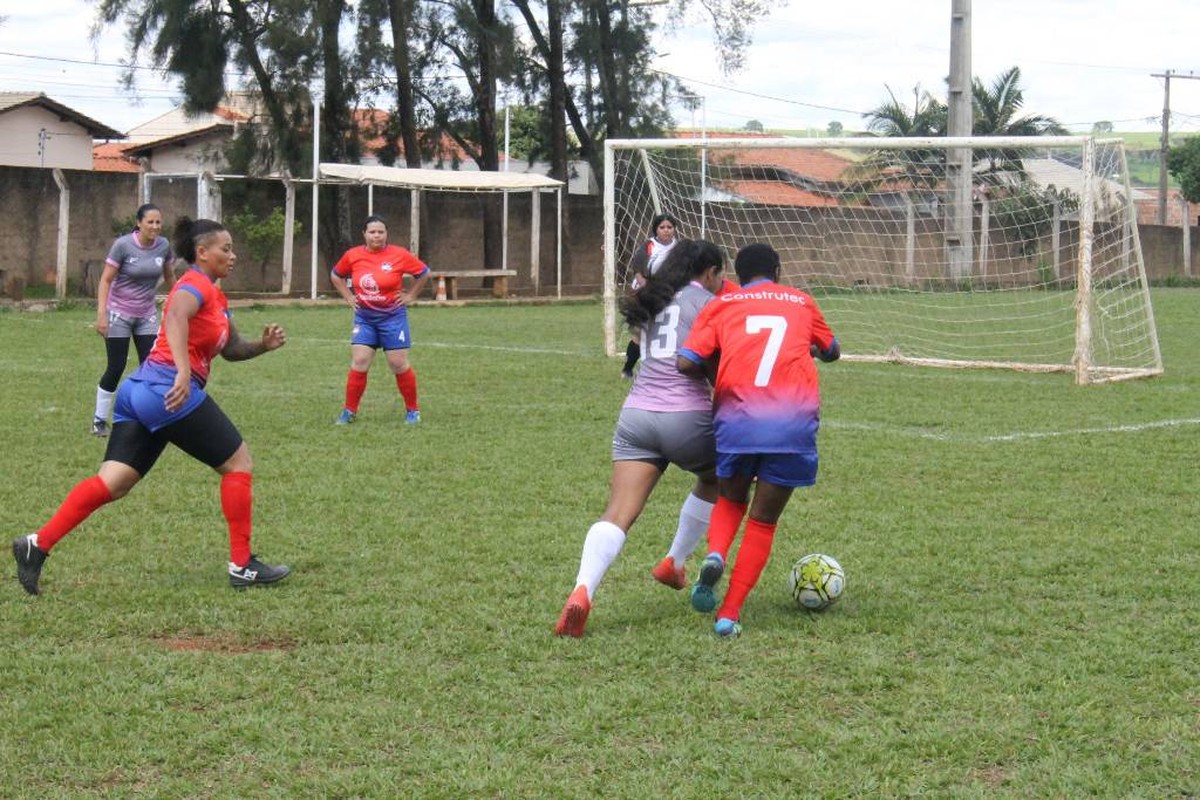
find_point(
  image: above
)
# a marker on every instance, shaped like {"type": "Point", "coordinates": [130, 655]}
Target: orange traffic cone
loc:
{"type": "Point", "coordinates": [440, 295]}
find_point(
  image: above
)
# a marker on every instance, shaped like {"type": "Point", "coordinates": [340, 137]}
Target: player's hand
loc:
{"type": "Point", "coordinates": [102, 326]}
{"type": "Point", "coordinates": [178, 394]}
{"type": "Point", "coordinates": [273, 337]}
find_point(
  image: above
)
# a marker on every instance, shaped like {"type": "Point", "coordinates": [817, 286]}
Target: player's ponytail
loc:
{"type": "Point", "coordinates": [189, 233]}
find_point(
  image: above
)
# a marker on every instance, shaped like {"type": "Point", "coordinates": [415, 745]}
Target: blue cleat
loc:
{"type": "Point", "coordinates": [711, 570]}
{"type": "Point", "coordinates": [728, 628]}
{"type": "Point", "coordinates": [412, 417]}
{"type": "Point", "coordinates": [346, 417]}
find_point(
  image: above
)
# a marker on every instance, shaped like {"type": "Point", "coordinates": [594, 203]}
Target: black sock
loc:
{"type": "Point", "coordinates": [632, 353]}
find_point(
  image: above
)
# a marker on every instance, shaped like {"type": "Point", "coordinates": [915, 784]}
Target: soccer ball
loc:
{"type": "Point", "coordinates": [816, 581]}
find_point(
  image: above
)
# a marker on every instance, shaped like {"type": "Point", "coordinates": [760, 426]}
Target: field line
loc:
{"type": "Point", "coordinates": [1018, 436]}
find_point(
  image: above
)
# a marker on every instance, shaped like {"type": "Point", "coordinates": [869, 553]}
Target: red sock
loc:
{"type": "Point", "coordinates": [86, 497]}
{"type": "Point", "coordinates": [406, 382]}
{"type": "Point", "coordinates": [723, 525]}
{"type": "Point", "coordinates": [237, 499]}
{"type": "Point", "coordinates": [751, 559]}
{"type": "Point", "coordinates": [356, 384]}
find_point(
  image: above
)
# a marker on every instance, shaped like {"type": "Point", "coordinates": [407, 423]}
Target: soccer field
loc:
{"type": "Point", "coordinates": [1019, 620]}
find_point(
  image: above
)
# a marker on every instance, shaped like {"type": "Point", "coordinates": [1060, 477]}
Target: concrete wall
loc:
{"type": "Point", "coordinates": [451, 236]}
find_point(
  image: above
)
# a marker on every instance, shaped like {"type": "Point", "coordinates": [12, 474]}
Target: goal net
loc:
{"type": "Point", "coordinates": [1007, 252]}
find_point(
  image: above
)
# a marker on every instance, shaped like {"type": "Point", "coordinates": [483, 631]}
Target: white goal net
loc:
{"type": "Point", "coordinates": [1015, 252]}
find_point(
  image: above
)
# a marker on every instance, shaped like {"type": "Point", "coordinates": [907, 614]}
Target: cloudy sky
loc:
{"type": "Point", "coordinates": [811, 63]}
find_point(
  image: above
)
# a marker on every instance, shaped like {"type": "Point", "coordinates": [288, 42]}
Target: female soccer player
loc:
{"type": "Point", "coordinates": [165, 402]}
{"type": "Point", "coordinates": [370, 278]}
{"type": "Point", "coordinates": [664, 234]}
{"type": "Point", "coordinates": [125, 307]}
{"type": "Point", "coordinates": [666, 419]}
{"type": "Point", "coordinates": [766, 411]}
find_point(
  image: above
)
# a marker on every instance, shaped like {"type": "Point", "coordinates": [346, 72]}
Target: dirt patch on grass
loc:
{"type": "Point", "coordinates": [222, 643]}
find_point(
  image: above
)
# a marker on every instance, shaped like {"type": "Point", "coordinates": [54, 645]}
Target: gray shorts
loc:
{"type": "Point", "coordinates": [121, 326]}
{"type": "Point", "coordinates": [682, 438]}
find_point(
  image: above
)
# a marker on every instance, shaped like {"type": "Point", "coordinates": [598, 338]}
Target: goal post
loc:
{"type": "Point", "coordinates": [1044, 274]}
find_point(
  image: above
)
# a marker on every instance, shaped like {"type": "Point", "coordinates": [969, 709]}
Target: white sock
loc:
{"type": "Point", "coordinates": [600, 549]}
{"type": "Point", "coordinates": [104, 403]}
{"type": "Point", "coordinates": [693, 524]}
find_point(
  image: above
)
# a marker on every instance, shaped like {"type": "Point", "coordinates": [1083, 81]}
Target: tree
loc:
{"type": "Point", "coordinates": [1183, 163]}
{"type": "Point", "coordinates": [754, 126]}
{"type": "Point", "coordinates": [998, 113]}
{"type": "Point", "coordinates": [1103, 126]}
{"type": "Point", "coordinates": [197, 40]}
{"type": "Point", "coordinates": [835, 128]}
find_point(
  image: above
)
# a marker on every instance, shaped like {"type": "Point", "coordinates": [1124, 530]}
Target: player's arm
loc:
{"type": "Point", "coordinates": [239, 349]}
{"type": "Point", "coordinates": [690, 363]}
{"type": "Point", "coordinates": [339, 283]}
{"type": "Point", "coordinates": [831, 353]}
{"type": "Point", "coordinates": [418, 285]}
{"type": "Point", "coordinates": [183, 306]}
{"type": "Point", "coordinates": [103, 287]}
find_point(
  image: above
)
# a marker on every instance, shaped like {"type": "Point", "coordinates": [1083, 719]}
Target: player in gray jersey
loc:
{"type": "Point", "coordinates": [125, 305]}
{"type": "Point", "coordinates": [666, 419]}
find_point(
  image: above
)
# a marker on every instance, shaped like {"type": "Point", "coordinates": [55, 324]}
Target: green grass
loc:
{"type": "Point", "coordinates": [1019, 621]}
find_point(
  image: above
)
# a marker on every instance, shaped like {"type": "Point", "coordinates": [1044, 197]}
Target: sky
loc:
{"type": "Point", "coordinates": [810, 63]}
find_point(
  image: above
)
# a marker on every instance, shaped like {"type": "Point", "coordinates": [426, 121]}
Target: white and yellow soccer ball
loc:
{"type": "Point", "coordinates": [816, 581]}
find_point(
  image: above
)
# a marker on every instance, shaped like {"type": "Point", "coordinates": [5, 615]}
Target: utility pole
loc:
{"type": "Point", "coordinates": [960, 211]}
{"type": "Point", "coordinates": [1164, 145]}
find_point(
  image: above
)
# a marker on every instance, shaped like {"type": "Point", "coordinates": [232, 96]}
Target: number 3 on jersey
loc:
{"type": "Point", "coordinates": [776, 327]}
{"type": "Point", "coordinates": [666, 334]}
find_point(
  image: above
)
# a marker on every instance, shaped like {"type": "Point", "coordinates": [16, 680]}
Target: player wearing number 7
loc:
{"type": "Point", "coordinates": [766, 412]}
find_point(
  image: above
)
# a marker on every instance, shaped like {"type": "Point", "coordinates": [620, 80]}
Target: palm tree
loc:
{"type": "Point", "coordinates": [928, 116]}
{"type": "Point", "coordinates": [998, 113]}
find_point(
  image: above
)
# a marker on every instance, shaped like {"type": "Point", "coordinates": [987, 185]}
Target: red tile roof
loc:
{"type": "Point", "coordinates": [111, 157]}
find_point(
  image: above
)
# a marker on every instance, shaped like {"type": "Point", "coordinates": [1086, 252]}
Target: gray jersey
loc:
{"type": "Point", "coordinates": [139, 269]}
{"type": "Point", "coordinates": [659, 385]}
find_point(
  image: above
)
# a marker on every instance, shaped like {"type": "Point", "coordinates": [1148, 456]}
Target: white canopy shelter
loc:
{"type": "Point", "coordinates": [440, 180]}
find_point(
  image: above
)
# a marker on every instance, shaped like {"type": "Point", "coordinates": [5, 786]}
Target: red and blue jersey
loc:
{"type": "Point", "coordinates": [208, 331]}
{"type": "Point", "coordinates": [766, 397]}
{"type": "Point", "coordinates": [377, 276]}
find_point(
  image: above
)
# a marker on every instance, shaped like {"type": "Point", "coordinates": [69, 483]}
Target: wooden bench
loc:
{"type": "Point", "coordinates": [451, 277]}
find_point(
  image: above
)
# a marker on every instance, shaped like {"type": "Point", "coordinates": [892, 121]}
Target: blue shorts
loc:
{"type": "Point", "coordinates": [780, 469]}
{"type": "Point", "coordinates": [378, 329]}
{"type": "Point", "coordinates": [142, 401]}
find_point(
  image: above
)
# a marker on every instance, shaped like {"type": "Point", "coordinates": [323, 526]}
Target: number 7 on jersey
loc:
{"type": "Point", "coordinates": [776, 327]}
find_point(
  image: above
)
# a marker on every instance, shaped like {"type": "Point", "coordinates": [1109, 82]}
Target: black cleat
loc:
{"type": "Point", "coordinates": [100, 427]}
{"type": "Point", "coordinates": [255, 573]}
{"type": "Point", "coordinates": [29, 558]}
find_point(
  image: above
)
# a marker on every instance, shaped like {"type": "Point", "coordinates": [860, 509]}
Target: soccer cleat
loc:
{"type": "Point", "coordinates": [346, 417]}
{"type": "Point", "coordinates": [668, 574]}
{"type": "Point", "coordinates": [627, 374]}
{"type": "Point", "coordinates": [727, 628]}
{"type": "Point", "coordinates": [574, 614]}
{"type": "Point", "coordinates": [29, 558]}
{"type": "Point", "coordinates": [99, 427]}
{"type": "Point", "coordinates": [412, 417]}
{"type": "Point", "coordinates": [256, 573]}
{"type": "Point", "coordinates": [711, 570]}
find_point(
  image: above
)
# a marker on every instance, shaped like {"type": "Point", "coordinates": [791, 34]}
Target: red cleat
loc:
{"type": "Point", "coordinates": [574, 614]}
{"type": "Point", "coordinates": [668, 574]}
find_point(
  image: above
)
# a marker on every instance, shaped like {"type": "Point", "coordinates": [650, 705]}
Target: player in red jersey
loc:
{"type": "Point", "coordinates": [766, 412]}
{"type": "Point", "coordinates": [370, 278]}
{"type": "Point", "coordinates": [165, 402]}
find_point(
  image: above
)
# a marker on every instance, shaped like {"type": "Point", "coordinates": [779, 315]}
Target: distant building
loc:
{"type": "Point", "coordinates": [36, 131]}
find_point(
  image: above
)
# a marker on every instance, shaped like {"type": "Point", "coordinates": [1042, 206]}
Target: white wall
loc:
{"type": "Point", "coordinates": [63, 144]}
{"type": "Point", "coordinates": [197, 155]}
